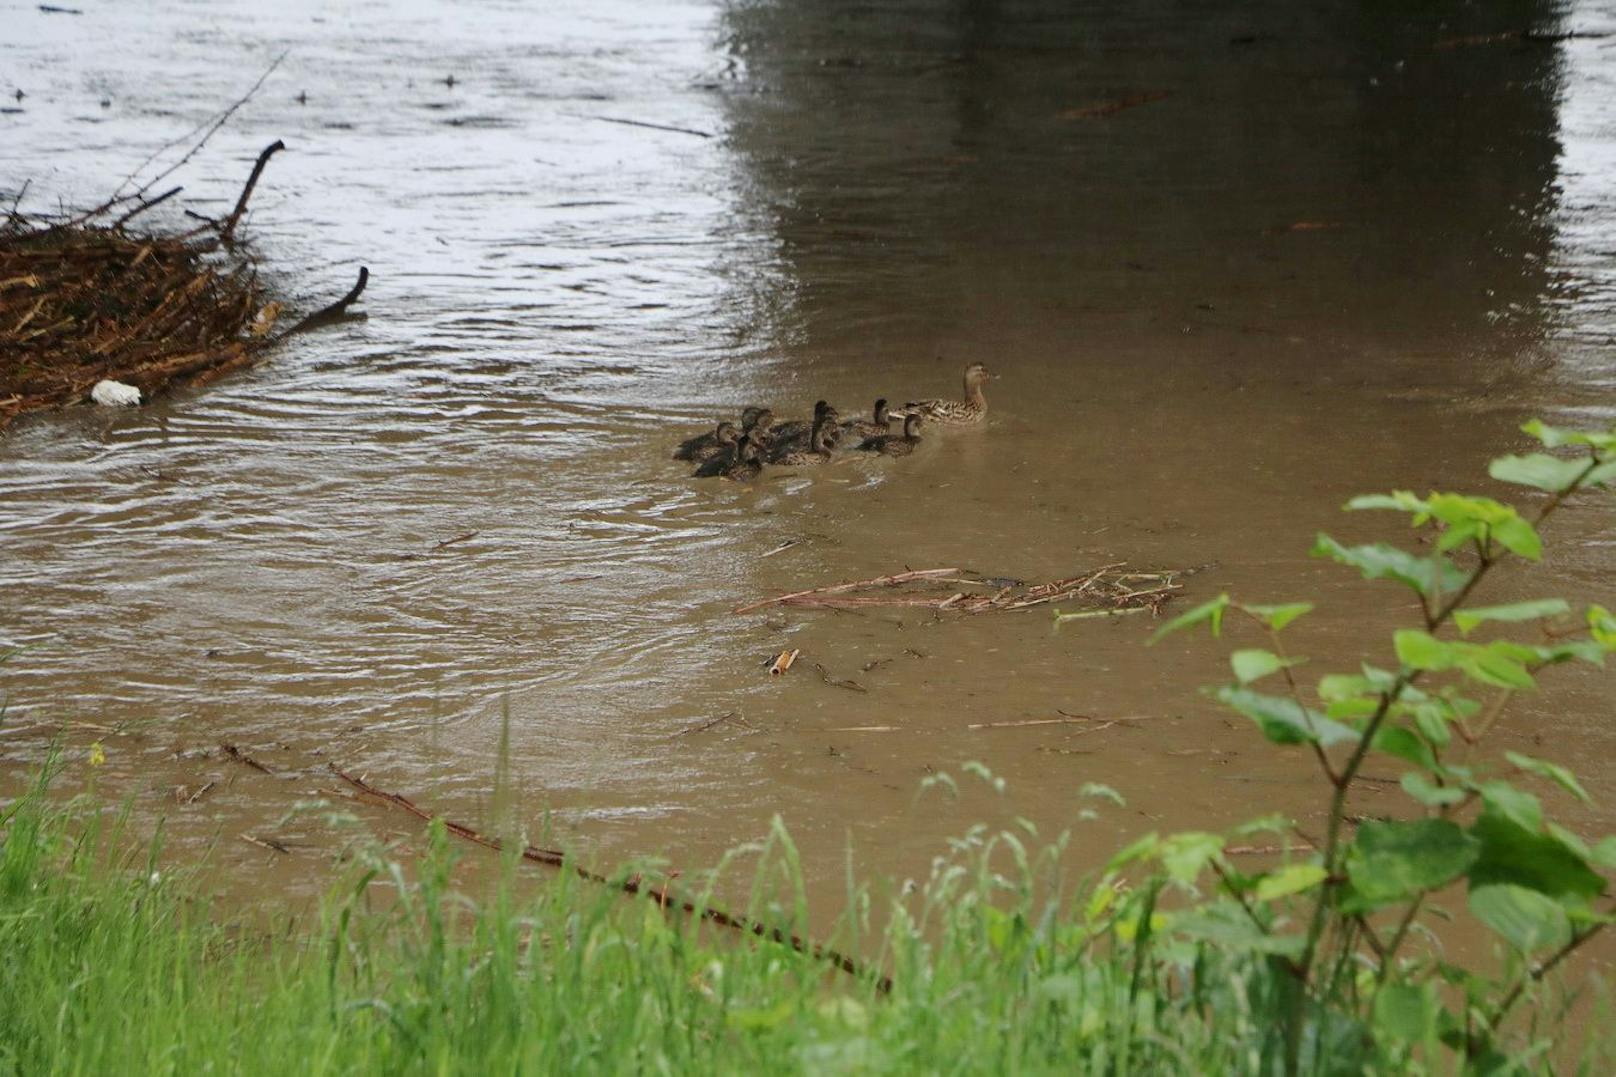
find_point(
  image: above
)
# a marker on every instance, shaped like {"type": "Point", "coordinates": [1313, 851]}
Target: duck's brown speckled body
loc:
{"type": "Point", "coordinates": [972, 409]}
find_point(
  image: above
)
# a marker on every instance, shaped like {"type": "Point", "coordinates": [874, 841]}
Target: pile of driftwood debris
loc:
{"type": "Point", "coordinates": [83, 299]}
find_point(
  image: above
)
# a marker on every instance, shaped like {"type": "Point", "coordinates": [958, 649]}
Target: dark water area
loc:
{"type": "Point", "coordinates": [1232, 263]}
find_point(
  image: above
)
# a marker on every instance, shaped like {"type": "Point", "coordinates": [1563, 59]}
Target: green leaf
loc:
{"type": "Point", "coordinates": [1427, 575]}
{"type": "Point", "coordinates": [1251, 665]}
{"type": "Point", "coordinates": [1407, 1012]}
{"type": "Point", "coordinates": [1602, 627]}
{"type": "Point", "coordinates": [1344, 686]}
{"type": "Point", "coordinates": [1528, 920]}
{"type": "Point", "coordinates": [1398, 500]}
{"type": "Point", "coordinates": [1517, 805]}
{"type": "Point", "coordinates": [1557, 437]}
{"type": "Point", "coordinates": [1498, 664]}
{"type": "Point", "coordinates": [1291, 879]}
{"type": "Point", "coordinates": [1537, 469]}
{"type": "Point", "coordinates": [1431, 719]}
{"type": "Point", "coordinates": [1587, 650]}
{"type": "Point", "coordinates": [1224, 924]}
{"type": "Point", "coordinates": [1185, 855]}
{"type": "Point", "coordinates": [1519, 538]}
{"type": "Point", "coordinates": [1101, 791]}
{"type": "Point", "coordinates": [1515, 611]}
{"type": "Point", "coordinates": [1134, 850]}
{"type": "Point", "coordinates": [1284, 721]}
{"type": "Point", "coordinates": [1210, 612]}
{"type": "Point", "coordinates": [1552, 771]}
{"type": "Point", "coordinates": [1390, 861]}
{"type": "Point", "coordinates": [1524, 855]}
{"type": "Point", "coordinates": [1403, 743]}
{"type": "Point", "coordinates": [1428, 792]}
{"type": "Point", "coordinates": [1421, 650]}
{"type": "Point", "coordinates": [1600, 475]}
{"type": "Point", "coordinates": [1277, 617]}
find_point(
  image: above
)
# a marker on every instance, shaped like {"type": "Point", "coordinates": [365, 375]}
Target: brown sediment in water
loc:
{"type": "Point", "coordinates": [79, 303]}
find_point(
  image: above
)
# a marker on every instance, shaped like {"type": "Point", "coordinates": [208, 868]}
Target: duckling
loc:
{"type": "Point", "coordinates": [799, 429]}
{"type": "Point", "coordinates": [864, 428]}
{"type": "Point", "coordinates": [896, 444]}
{"type": "Point", "coordinates": [972, 409]}
{"type": "Point", "coordinates": [744, 466]}
{"type": "Point", "coordinates": [703, 446]}
{"type": "Point", "coordinates": [820, 443]}
{"type": "Point", "coordinates": [724, 447]}
{"type": "Point", "coordinates": [758, 423]}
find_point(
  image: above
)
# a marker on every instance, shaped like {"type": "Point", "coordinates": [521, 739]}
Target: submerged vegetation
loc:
{"type": "Point", "coordinates": [1172, 958]}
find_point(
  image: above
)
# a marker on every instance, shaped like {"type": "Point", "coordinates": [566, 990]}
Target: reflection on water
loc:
{"type": "Point", "coordinates": [1325, 255]}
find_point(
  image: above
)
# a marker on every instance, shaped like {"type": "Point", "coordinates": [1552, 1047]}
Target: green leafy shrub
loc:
{"type": "Point", "coordinates": [1337, 923]}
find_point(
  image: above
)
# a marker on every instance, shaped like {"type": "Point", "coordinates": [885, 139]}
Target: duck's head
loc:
{"type": "Point", "coordinates": [881, 415]}
{"type": "Point", "coordinates": [727, 432]}
{"type": "Point", "coordinates": [749, 417]}
{"type": "Point", "coordinates": [976, 374]}
{"type": "Point", "coordinates": [757, 420]}
{"type": "Point", "coordinates": [746, 449]}
{"type": "Point", "coordinates": [911, 426]}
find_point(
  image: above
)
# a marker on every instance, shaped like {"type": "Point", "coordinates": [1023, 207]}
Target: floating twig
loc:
{"type": "Point", "coordinates": [458, 538]}
{"type": "Point", "coordinates": [878, 581]}
{"type": "Point", "coordinates": [836, 682]}
{"type": "Point", "coordinates": [266, 843]}
{"type": "Point", "coordinates": [1110, 108]}
{"type": "Point", "coordinates": [783, 662]}
{"type": "Point", "coordinates": [705, 726]}
{"type": "Point", "coordinates": [144, 206]}
{"type": "Point", "coordinates": [242, 757]}
{"type": "Point", "coordinates": [655, 126]}
{"type": "Point", "coordinates": [196, 796]}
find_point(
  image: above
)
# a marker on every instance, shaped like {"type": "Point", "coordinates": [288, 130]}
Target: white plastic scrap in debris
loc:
{"type": "Point", "coordinates": [114, 393]}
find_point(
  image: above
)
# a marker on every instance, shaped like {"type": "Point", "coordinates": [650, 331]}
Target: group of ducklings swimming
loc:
{"type": "Point", "coordinates": [739, 451]}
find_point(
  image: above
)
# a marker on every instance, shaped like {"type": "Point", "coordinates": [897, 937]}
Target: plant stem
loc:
{"type": "Point", "coordinates": [1536, 973]}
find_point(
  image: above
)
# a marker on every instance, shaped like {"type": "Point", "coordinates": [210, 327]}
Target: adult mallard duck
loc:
{"type": "Point", "coordinates": [705, 446]}
{"type": "Point", "coordinates": [972, 409]}
{"type": "Point", "coordinates": [820, 441]}
{"type": "Point", "coordinates": [743, 466]}
{"type": "Point", "coordinates": [896, 444]}
{"type": "Point", "coordinates": [864, 428]}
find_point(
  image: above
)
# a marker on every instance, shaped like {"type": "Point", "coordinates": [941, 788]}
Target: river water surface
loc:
{"type": "Point", "coordinates": [1320, 253]}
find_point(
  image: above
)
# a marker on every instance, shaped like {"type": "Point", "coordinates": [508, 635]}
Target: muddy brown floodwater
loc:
{"type": "Point", "coordinates": [1321, 252]}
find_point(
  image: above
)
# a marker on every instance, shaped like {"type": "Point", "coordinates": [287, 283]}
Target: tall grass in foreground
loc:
{"type": "Point", "coordinates": [108, 968]}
